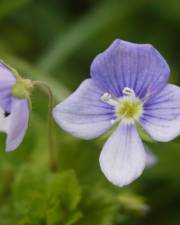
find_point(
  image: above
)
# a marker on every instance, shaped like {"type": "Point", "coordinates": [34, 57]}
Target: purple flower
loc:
{"type": "Point", "coordinates": [14, 112]}
{"type": "Point", "coordinates": [128, 88]}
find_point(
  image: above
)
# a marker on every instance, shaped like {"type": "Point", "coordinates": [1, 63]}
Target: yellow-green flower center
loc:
{"type": "Point", "coordinates": [129, 108]}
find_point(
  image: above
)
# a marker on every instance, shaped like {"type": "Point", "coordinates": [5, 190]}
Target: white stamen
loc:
{"type": "Point", "coordinates": [108, 98]}
{"type": "Point", "coordinates": [105, 97]}
{"type": "Point", "coordinates": [128, 92]}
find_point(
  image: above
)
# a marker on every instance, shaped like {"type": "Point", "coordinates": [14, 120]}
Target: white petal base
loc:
{"type": "Point", "coordinates": [123, 157]}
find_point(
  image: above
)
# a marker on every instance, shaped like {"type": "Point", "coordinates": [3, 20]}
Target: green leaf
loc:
{"type": "Point", "coordinates": [98, 206]}
{"type": "Point", "coordinates": [29, 196]}
{"type": "Point", "coordinates": [41, 198]}
{"type": "Point", "coordinates": [133, 203]}
{"type": "Point", "coordinates": [63, 197]}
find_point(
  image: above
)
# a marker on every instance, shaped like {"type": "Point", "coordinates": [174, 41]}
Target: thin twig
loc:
{"type": "Point", "coordinates": [52, 154]}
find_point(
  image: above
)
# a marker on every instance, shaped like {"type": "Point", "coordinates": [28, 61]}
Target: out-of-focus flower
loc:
{"type": "Point", "coordinates": [133, 203]}
{"type": "Point", "coordinates": [128, 88]}
{"type": "Point", "coordinates": [14, 106]}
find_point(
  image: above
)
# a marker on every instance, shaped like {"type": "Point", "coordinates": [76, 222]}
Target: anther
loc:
{"type": "Point", "coordinates": [108, 98]}
{"type": "Point", "coordinates": [128, 92]}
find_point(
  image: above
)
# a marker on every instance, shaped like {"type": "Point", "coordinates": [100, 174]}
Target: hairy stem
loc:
{"type": "Point", "coordinates": [52, 154]}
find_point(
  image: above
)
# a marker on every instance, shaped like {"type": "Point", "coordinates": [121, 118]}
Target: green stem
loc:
{"type": "Point", "coordinates": [52, 154]}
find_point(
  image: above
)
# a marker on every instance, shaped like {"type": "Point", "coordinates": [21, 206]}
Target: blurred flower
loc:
{"type": "Point", "coordinates": [134, 203]}
{"type": "Point", "coordinates": [128, 88]}
{"type": "Point", "coordinates": [14, 108]}
{"type": "Point", "coordinates": [151, 159]}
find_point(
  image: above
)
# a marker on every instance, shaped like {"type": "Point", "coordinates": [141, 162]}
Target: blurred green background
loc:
{"type": "Point", "coordinates": [55, 41]}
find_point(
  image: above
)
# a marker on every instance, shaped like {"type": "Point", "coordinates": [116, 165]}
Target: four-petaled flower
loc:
{"type": "Point", "coordinates": [14, 111]}
{"type": "Point", "coordinates": [128, 88]}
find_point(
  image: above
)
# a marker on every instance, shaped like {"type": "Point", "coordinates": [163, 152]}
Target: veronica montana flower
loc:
{"type": "Point", "coordinates": [14, 109]}
{"type": "Point", "coordinates": [128, 88]}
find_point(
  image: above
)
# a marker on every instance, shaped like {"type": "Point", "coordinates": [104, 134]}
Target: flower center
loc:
{"type": "Point", "coordinates": [128, 108]}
